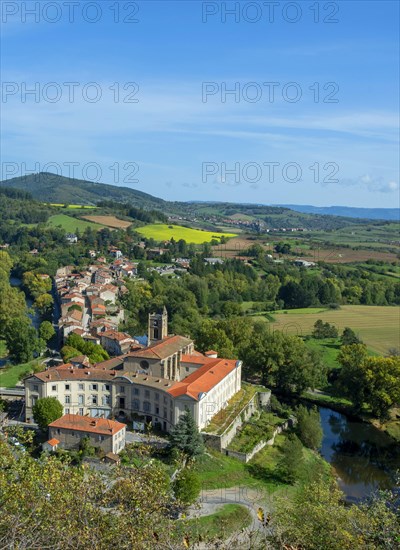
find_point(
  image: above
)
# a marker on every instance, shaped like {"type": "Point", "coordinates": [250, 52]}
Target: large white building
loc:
{"type": "Point", "coordinates": [156, 384]}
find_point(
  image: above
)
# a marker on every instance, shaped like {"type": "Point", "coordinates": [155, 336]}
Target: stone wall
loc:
{"type": "Point", "coordinates": [221, 441]}
{"type": "Point", "coordinates": [245, 457]}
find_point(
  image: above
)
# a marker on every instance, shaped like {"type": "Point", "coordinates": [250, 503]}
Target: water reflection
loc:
{"type": "Point", "coordinates": [364, 458]}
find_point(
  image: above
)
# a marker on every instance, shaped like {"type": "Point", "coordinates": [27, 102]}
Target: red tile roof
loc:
{"type": "Point", "coordinates": [101, 426]}
{"type": "Point", "coordinates": [53, 442]}
{"type": "Point", "coordinates": [163, 349]}
{"type": "Point", "coordinates": [68, 372]}
{"type": "Point", "coordinates": [204, 378]}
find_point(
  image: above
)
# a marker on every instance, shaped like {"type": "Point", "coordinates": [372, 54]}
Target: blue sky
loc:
{"type": "Point", "coordinates": [164, 135]}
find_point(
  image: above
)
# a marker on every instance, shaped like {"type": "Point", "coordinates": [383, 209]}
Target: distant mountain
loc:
{"type": "Point", "coordinates": [47, 187]}
{"type": "Point", "coordinates": [390, 214]}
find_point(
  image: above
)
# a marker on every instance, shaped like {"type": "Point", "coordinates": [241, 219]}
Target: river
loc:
{"type": "Point", "coordinates": [364, 458]}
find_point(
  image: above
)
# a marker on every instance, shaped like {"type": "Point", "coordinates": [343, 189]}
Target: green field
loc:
{"type": "Point", "coordinates": [10, 376]}
{"type": "Point", "coordinates": [377, 326]}
{"type": "Point", "coordinates": [162, 232]}
{"type": "Point", "coordinates": [226, 521]}
{"type": "Point", "coordinates": [71, 224]}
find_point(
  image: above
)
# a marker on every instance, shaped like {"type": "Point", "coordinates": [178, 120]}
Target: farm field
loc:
{"type": "Point", "coordinates": [163, 232]}
{"type": "Point", "coordinates": [73, 206]}
{"type": "Point", "coordinates": [377, 326]}
{"type": "Point", "coordinates": [72, 224]}
{"type": "Point", "coordinates": [109, 221]}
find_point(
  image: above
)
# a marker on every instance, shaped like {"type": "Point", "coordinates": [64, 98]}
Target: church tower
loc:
{"type": "Point", "coordinates": [158, 326]}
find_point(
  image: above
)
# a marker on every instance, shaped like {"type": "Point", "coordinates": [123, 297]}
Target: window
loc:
{"type": "Point", "coordinates": [136, 391]}
{"type": "Point", "coordinates": [67, 399]}
{"type": "Point", "coordinates": [58, 431]}
{"type": "Point", "coordinates": [93, 387]}
{"type": "Point", "coordinates": [67, 387]}
{"type": "Point", "coordinates": [81, 387]}
{"type": "Point", "coordinates": [165, 400]}
{"type": "Point", "coordinates": [53, 388]}
{"type": "Point", "coordinates": [106, 387]}
{"type": "Point", "coordinates": [34, 399]}
{"type": "Point", "coordinates": [81, 412]}
{"type": "Point", "coordinates": [101, 437]}
{"type": "Point", "coordinates": [66, 411]}
{"type": "Point", "coordinates": [157, 396]}
{"type": "Point", "coordinates": [35, 387]}
{"type": "Point", "coordinates": [122, 402]}
{"type": "Point", "coordinates": [146, 393]}
{"type": "Point", "coordinates": [94, 399]}
{"type": "Point", "coordinates": [146, 406]}
{"type": "Point", "coordinates": [122, 389]}
{"type": "Point", "coordinates": [106, 400]}
{"type": "Point", "coordinates": [136, 404]}
{"type": "Point", "coordinates": [81, 399]}
{"type": "Point", "coordinates": [157, 410]}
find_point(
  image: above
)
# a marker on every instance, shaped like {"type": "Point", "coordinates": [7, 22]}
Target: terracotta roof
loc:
{"type": "Point", "coordinates": [115, 335]}
{"type": "Point", "coordinates": [194, 359]}
{"type": "Point", "coordinates": [67, 372]}
{"type": "Point", "coordinates": [53, 442]}
{"type": "Point", "coordinates": [163, 349]}
{"type": "Point", "coordinates": [204, 378]}
{"type": "Point", "coordinates": [101, 426]}
{"type": "Point", "coordinates": [112, 363]}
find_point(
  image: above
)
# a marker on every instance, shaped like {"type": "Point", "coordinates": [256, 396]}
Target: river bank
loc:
{"type": "Point", "coordinates": [391, 427]}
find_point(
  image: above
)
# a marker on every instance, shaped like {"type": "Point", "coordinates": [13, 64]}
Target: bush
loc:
{"type": "Point", "coordinates": [46, 410]}
{"type": "Point", "coordinates": [309, 426]}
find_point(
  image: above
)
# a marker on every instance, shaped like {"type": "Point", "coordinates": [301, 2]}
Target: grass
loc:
{"type": "Point", "coordinates": [377, 326]}
{"type": "Point", "coordinates": [10, 376]}
{"type": "Point", "coordinates": [217, 471]}
{"type": "Point", "coordinates": [222, 419]}
{"type": "Point", "coordinates": [162, 232]}
{"type": "Point", "coordinates": [229, 519]}
{"type": "Point", "coordinates": [71, 224]}
{"type": "Point", "coordinates": [301, 311]}
{"type": "Point", "coordinates": [328, 348]}
{"type": "Point", "coordinates": [254, 431]}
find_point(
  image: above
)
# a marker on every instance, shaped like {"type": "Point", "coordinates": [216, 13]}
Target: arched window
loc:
{"type": "Point", "coordinates": [144, 365]}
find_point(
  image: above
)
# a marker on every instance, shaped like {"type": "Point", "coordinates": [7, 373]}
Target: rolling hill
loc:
{"type": "Point", "coordinates": [392, 214]}
{"type": "Point", "coordinates": [52, 188]}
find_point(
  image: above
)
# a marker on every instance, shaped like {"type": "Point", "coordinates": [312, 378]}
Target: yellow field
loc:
{"type": "Point", "coordinates": [72, 206]}
{"type": "Point", "coordinates": [377, 326]}
{"type": "Point", "coordinates": [162, 232]}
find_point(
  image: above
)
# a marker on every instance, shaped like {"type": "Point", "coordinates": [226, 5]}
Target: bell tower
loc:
{"type": "Point", "coordinates": [158, 326]}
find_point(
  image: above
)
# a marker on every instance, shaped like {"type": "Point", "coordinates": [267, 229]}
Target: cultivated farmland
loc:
{"type": "Point", "coordinates": [377, 326]}
{"type": "Point", "coordinates": [162, 232]}
{"type": "Point", "coordinates": [109, 221]}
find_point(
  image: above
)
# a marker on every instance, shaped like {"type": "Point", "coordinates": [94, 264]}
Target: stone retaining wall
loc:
{"type": "Point", "coordinates": [221, 441]}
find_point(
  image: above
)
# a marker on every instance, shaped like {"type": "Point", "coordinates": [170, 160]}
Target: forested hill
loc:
{"type": "Point", "coordinates": [390, 214]}
{"type": "Point", "coordinates": [53, 188]}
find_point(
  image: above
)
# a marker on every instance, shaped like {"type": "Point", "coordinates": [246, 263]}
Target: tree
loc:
{"type": "Point", "coordinates": [44, 304]}
{"type": "Point", "coordinates": [309, 426]}
{"type": "Point", "coordinates": [46, 331]}
{"type": "Point", "coordinates": [291, 461]}
{"type": "Point", "coordinates": [187, 486]}
{"type": "Point", "coordinates": [21, 339]}
{"type": "Point", "coordinates": [46, 410]}
{"type": "Point", "coordinates": [324, 330]}
{"type": "Point", "coordinates": [186, 436]}
{"type": "Point", "coordinates": [349, 337]}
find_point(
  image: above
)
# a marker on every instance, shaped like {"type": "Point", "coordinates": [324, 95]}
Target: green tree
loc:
{"type": "Point", "coordinates": [291, 462]}
{"type": "Point", "coordinates": [44, 304]}
{"type": "Point", "coordinates": [46, 410]}
{"type": "Point", "coordinates": [309, 426]}
{"type": "Point", "coordinates": [349, 337]}
{"type": "Point", "coordinates": [21, 339]}
{"type": "Point", "coordinates": [187, 486]}
{"type": "Point", "coordinates": [46, 331]}
{"type": "Point", "coordinates": [186, 437]}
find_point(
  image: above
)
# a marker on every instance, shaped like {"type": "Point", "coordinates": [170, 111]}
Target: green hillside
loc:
{"type": "Point", "coordinates": [52, 188]}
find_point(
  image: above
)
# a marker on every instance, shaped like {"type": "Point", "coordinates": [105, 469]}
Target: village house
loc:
{"type": "Point", "coordinates": [71, 238]}
{"type": "Point", "coordinates": [107, 435]}
{"type": "Point", "coordinates": [116, 343]}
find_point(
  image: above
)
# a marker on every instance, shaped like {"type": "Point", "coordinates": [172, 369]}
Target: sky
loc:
{"type": "Point", "coordinates": [255, 102]}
